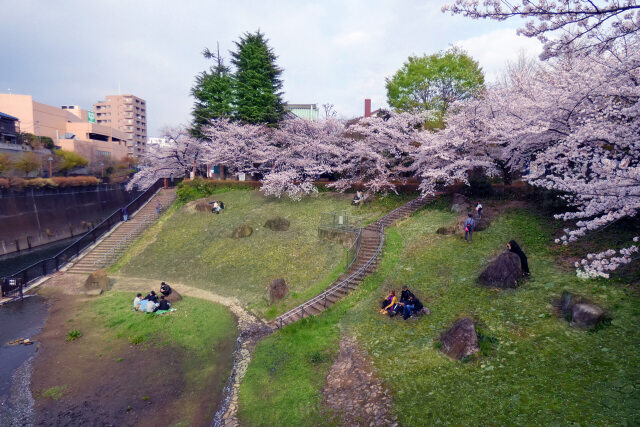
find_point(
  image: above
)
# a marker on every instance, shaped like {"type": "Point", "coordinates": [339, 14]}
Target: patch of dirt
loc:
{"type": "Point", "coordinates": [354, 392]}
{"type": "Point", "coordinates": [107, 381]}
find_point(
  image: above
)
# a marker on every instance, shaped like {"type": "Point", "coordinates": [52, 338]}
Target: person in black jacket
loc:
{"type": "Point", "coordinates": [164, 304]}
{"type": "Point", "coordinates": [165, 289]}
{"type": "Point", "coordinates": [412, 305]}
{"type": "Point", "coordinates": [515, 248]}
{"type": "Point", "coordinates": [152, 297]}
{"type": "Point", "coordinates": [406, 293]}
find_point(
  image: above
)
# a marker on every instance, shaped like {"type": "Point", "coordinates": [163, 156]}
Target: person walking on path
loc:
{"type": "Point", "coordinates": [125, 215]}
{"type": "Point", "coordinates": [158, 208]}
{"type": "Point", "coordinates": [479, 210]}
{"type": "Point", "coordinates": [469, 225]}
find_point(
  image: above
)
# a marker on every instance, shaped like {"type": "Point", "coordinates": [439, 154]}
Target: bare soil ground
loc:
{"type": "Point", "coordinates": [354, 392]}
{"type": "Point", "coordinates": [106, 381]}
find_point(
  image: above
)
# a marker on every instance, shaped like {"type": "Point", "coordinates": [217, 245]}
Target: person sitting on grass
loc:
{"type": "Point", "coordinates": [215, 207]}
{"type": "Point", "coordinates": [136, 302]}
{"type": "Point", "coordinates": [143, 305]}
{"type": "Point", "coordinates": [358, 198]}
{"type": "Point", "coordinates": [413, 305]}
{"type": "Point", "coordinates": [385, 302]}
{"type": "Point", "coordinates": [165, 289]}
{"type": "Point", "coordinates": [152, 297]}
{"type": "Point", "coordinates": [406, 293]}
{"type": "Point", "coordinates": [151, 307]}
{"type": "Point", "coordinates": [163, 305]}
{"type": "Point", "coordinates": [392, 307]}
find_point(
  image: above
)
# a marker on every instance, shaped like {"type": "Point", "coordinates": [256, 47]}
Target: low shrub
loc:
{"type": "Point", "coordinates": [4, 183]}
{"type": "Point", "coordinates": [54, 392]}
{"type": "Point", "coordinates": [73, 335]}
{"type": "Point", "coordinates": [198, 188]}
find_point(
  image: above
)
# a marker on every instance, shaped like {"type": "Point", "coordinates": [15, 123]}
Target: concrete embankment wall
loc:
{"type": "Point", "coordinates": [37, 217]}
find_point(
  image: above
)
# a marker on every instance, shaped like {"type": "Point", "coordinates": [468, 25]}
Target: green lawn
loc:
{"type": "Point", "coordinates": [202, 333]}
{"type": "Point", "coordinates": [533, 369]}
{"type": "Point", "coordinates": [196, 248]}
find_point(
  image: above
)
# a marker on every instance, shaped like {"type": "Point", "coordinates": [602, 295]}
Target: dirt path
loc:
{"type": "Point", "coordinates": [251, 331]}
{"type": "Point", "coordinates": [353, 390]}
{"type": "Point", "coordinates": [86, 382]}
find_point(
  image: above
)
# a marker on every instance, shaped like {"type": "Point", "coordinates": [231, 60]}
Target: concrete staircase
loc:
{"type": "Point", "coordinates": [114, 244]}
{"type": "Point", "coordinates": [365, 263]}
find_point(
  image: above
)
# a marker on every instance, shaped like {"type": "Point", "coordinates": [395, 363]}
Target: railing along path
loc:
{"type": "Point", "coordinates": [342, 286]}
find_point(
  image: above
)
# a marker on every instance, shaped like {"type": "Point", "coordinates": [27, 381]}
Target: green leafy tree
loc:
{"type": "Point", "coordinates": [213, 93]}
{"type": "Point", "coordinates": [432, 82]}
{"type": "Point", "coordinates": [68, 160]}
{"type": "Point", "coordinates": [28, 162]}
{"type": "Point", "coordinates": [257, 82]}
{"type": "Point", "coordinates": [5, 163]}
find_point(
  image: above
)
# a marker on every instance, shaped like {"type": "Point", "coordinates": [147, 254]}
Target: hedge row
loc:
{"type": "Point", "coordinates": [55, 182]}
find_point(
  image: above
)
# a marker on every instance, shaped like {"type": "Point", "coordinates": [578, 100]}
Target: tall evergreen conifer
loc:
{"type": "Point", "coordinates": [213, 91]}
{"type": "Point", "coordinates": [257, 82]}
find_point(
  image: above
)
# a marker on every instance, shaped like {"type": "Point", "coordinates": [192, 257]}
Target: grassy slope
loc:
{"type": "Point", "coordinates": [205, 332]}
{"type": "Point", "coordinates": [196, 248]}
{"type": "Point", "coordinates": [537, 370]}
{"type": "Point", "coordinates": [283, 385]}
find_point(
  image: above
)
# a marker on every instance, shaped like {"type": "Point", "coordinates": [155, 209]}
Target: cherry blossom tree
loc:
{"type": "Point", "coordinates": [565, 26]}
{"type": "Point", "coordinates": [380, 151]}
{"type": "Point", "coordinates": [175, 158]}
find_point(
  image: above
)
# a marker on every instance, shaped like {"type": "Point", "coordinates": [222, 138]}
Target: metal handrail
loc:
{"type": "Point", "coordinates": [340, 285]}
{"type": "Point", "coordinates": [122, 241]}
{"type": "Point", "coordinates": [357, 243]}
{"type": "Point", "coordinates": [49, 265]}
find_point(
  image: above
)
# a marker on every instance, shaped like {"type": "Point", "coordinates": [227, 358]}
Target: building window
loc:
{"type": "Point", "coordinates": [103, 154]}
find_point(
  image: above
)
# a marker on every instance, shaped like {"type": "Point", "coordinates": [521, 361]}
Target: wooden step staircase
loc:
{"type": "Point", "coordinates": [365, 263]}
{"type": "Point", "coordinates": [114, 245]}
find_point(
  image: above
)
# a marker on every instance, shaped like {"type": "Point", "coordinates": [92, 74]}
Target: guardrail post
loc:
{"type": "Point", "coordinates": [281, 322]}
{"type": "Point", "coordinates": [57, 264]}
{"type": "Point", "coordinates": [302, 310]}
{"type": "Point", "coordinates": [325, 300]}
{"type": "Point", "coordinates": [44, 267]}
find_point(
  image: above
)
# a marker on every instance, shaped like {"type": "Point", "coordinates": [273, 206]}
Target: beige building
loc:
{"type": "Point", "coordinates": [126, 113]}
{"type": "Point", "coordinates": [69, 126]}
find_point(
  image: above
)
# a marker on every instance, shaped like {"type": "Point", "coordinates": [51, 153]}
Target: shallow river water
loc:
{"type": "Point", "coordinates": [18, 319]}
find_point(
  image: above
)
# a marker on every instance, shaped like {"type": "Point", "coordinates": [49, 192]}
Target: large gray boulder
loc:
{"type": "Point", "coordinates": [503, 272]}
{"type": "Point", "coordinates": [459, 203]}
{"type": "Point", "coordinates": [460, 340]}
{"type": "Point", "coordinates": [586, 315]}
{"type": "Point", "coordinates": [243, 231]}
{"type": "Point", "coordinates": [277, 290]}
{"type": "Point", "coordinates": [277, 224]}
{"type": "Point", "coordinates": [97, 282]}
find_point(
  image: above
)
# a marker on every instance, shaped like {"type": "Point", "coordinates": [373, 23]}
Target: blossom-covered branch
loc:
{"type": "Point", "coordinates": [563, 26]}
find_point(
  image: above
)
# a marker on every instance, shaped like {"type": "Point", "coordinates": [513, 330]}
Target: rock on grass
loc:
{"type": "Point", "coordinates": [460, 340]}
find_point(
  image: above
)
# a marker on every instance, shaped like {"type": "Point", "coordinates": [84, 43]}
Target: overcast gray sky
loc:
{"type": "Point", "coordinates": [339, 52]}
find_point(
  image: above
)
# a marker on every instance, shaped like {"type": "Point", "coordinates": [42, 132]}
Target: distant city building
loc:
{"type": "Point", "coordinates": [159, 141]}
{"type": "Point", "coordinates": [70, 127]}
{"type": "Point", "coordinates": [127, 113]}
{"type": "Point", "coordinates": [9, 129]}
{"type": "Point", "coordinates": [303, 111]}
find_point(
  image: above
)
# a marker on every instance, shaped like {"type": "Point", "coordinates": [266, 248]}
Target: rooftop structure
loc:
{"type": "Point", "coordinates": [303, 111]}
{"type": "Point", "coordinates": [70, 127]}
{"type": "Point", "coordinates": [127, 113]}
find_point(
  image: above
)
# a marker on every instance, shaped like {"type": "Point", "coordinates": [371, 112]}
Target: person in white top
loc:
{"type": "Point", "coordinates": [136, 302]}
{"type": "Point", "coordinates": [479, 210]}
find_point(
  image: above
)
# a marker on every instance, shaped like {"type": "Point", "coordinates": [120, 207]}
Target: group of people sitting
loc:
{"type": "Point", "coordinates": [216, 206]}
{"type": "Point", "coordinates": [408, 305]}
{"type": "Point", "coordinates": [358, 199]}
{"type": "Point", "coordinates": [151, 303]}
